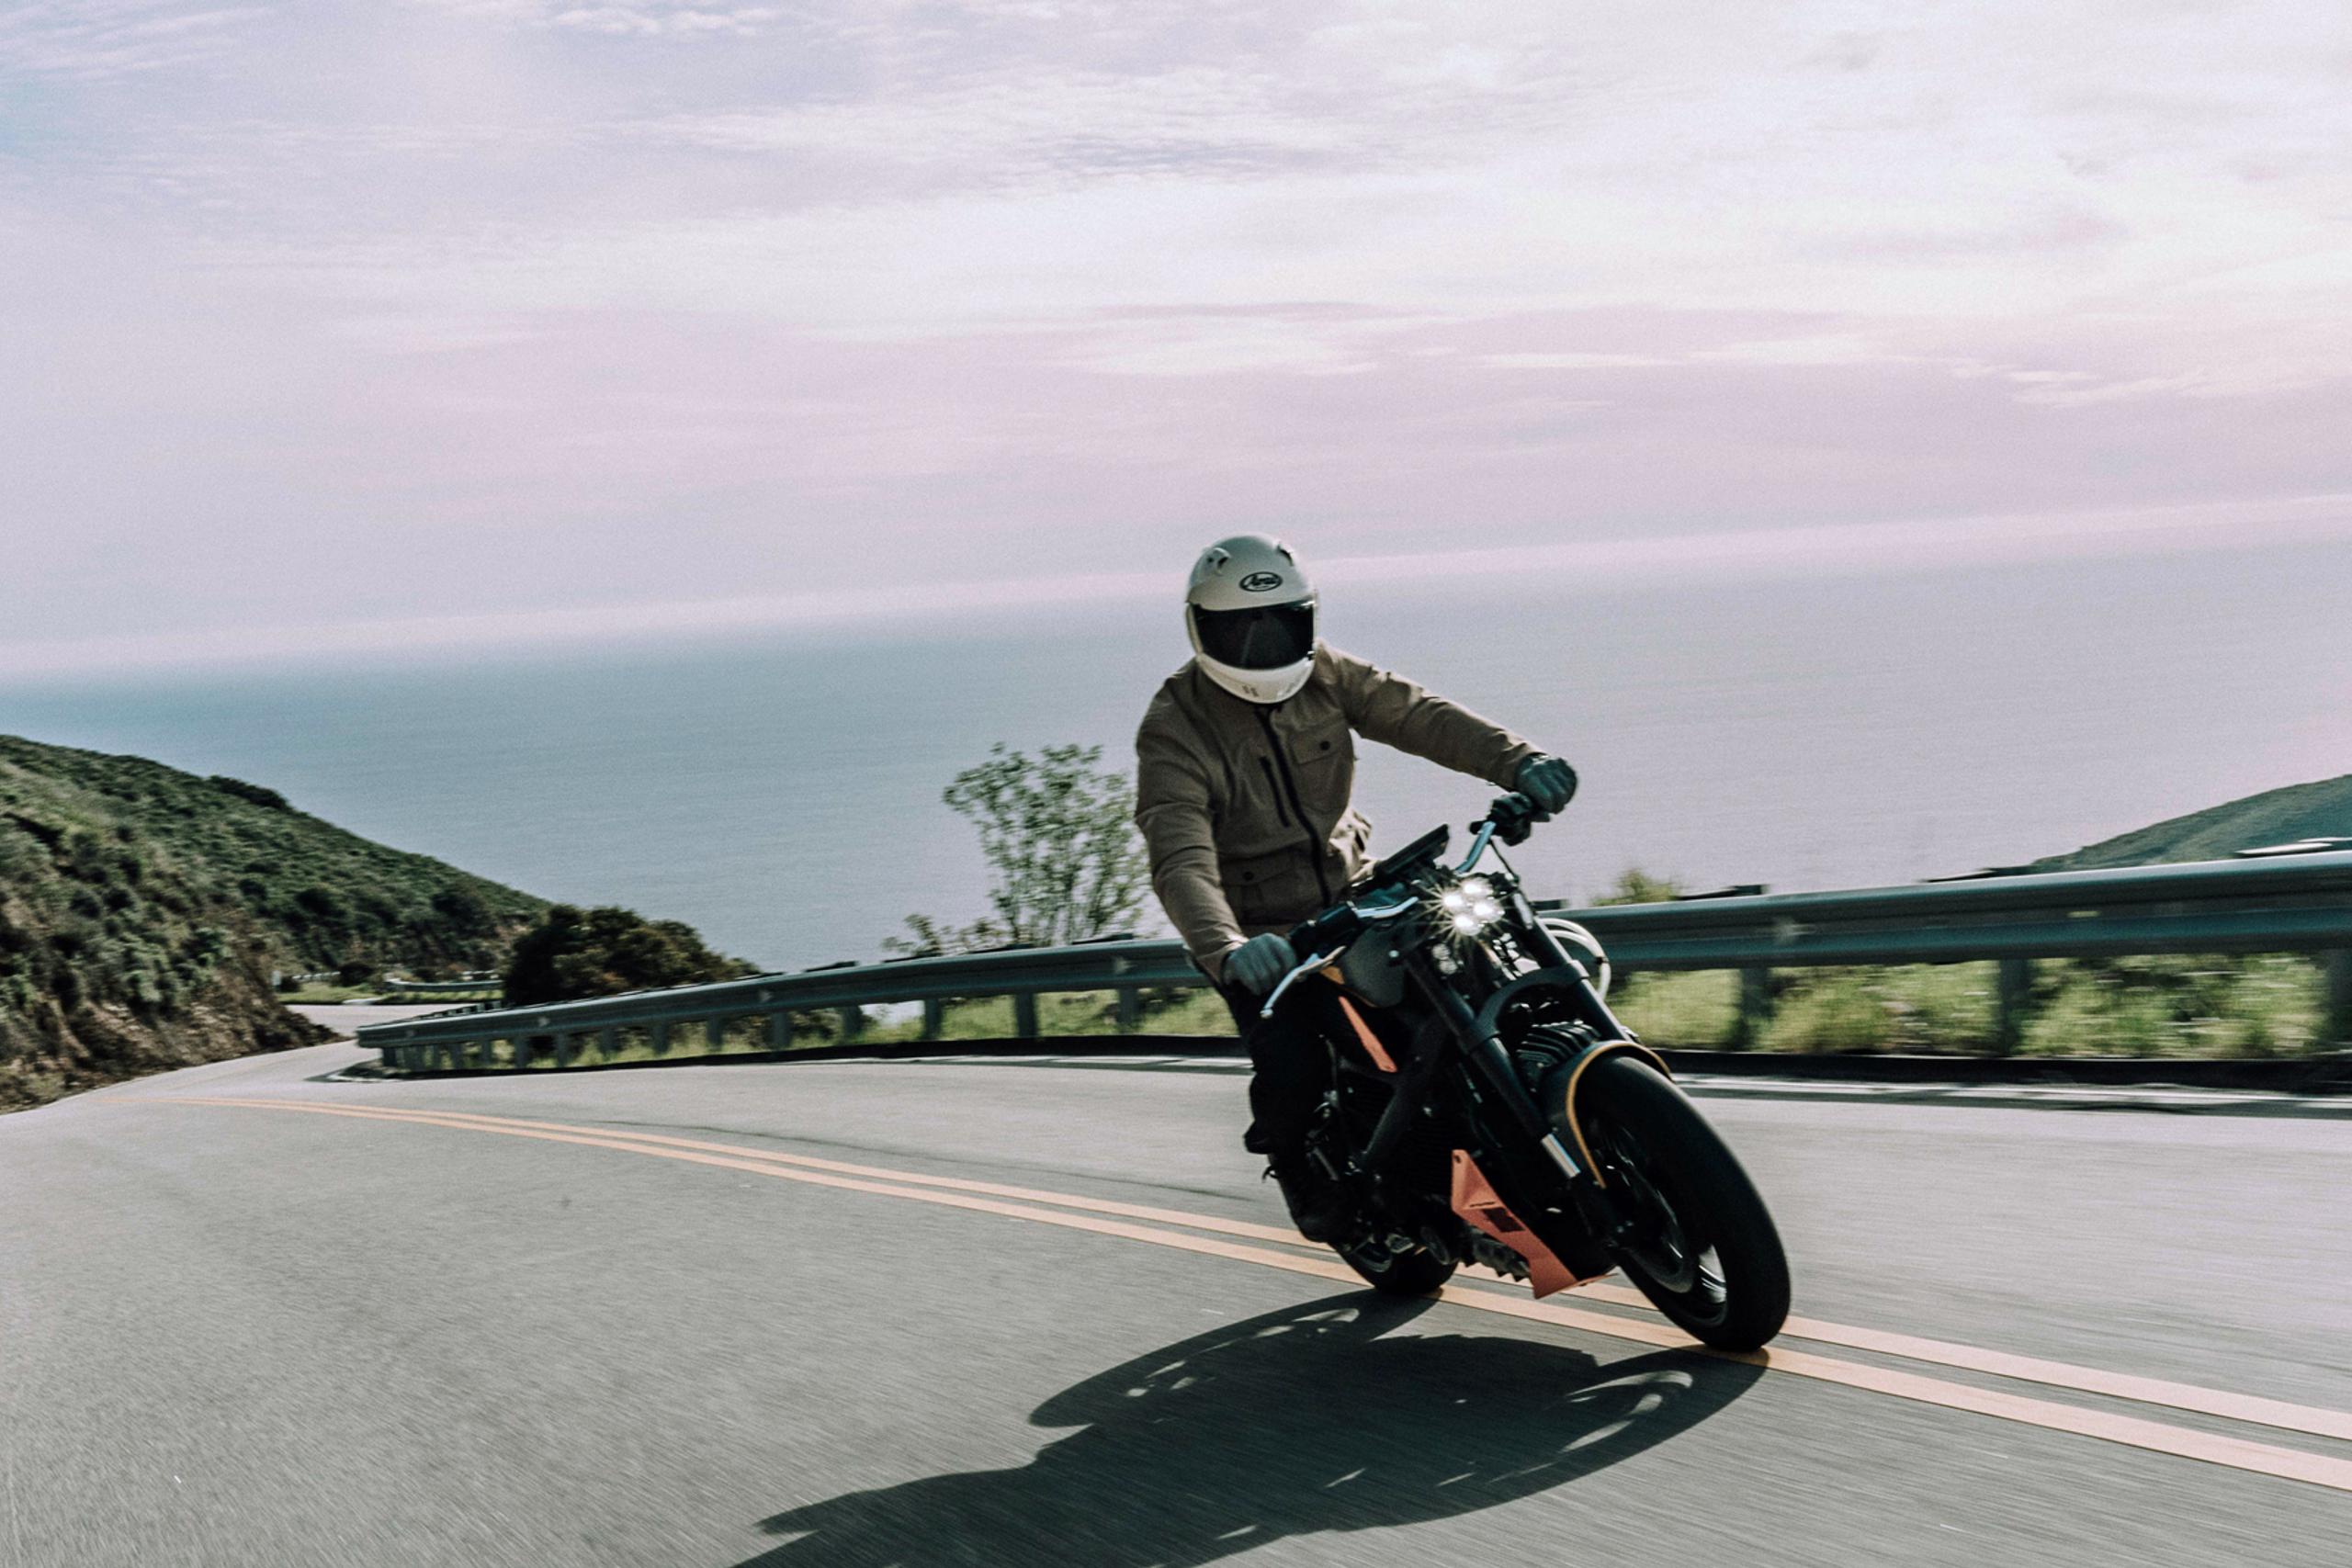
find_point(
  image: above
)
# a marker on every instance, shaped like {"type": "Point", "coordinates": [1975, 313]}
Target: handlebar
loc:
{"type": "Point", "coordinates": [1511, 818]}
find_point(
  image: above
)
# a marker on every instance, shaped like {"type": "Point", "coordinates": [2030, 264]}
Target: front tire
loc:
{"type": "Point", "coordinates": [1699, 1243]}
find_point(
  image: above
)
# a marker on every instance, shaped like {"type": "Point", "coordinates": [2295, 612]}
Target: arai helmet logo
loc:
{"type": "Point", "coordinates": [1261, 582]}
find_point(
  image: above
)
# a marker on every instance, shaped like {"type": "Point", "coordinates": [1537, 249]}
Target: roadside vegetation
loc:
{"type": "Point", "coordinates": [1065, 861]}
{"type": "Point", "coordinates": [2167, 1005]}
{"type": "Point", "coordinates": [574, 952]}
{"type": "Point", "coordinates": [1066, 864]}
{"type": "Point", "coordinates": [143, 911]}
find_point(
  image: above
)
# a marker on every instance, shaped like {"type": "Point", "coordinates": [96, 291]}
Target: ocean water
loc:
{"type": "Point", "coordinates": [782, 793]}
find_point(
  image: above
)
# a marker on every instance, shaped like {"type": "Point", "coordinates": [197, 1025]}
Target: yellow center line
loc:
{"type": "Point", "coordinates": [2187, 1398]}
{"type": "Point", "coordinates": [2132, 1431]}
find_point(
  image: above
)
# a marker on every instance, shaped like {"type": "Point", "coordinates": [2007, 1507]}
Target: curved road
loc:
{"type": "Point", "coordinates": [922, 1315]}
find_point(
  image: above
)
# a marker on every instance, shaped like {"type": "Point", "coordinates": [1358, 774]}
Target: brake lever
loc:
{"type": "Point", "coordinates": [1274, 997]}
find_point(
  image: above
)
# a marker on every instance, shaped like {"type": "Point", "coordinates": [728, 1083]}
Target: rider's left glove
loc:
{"type": "Point", "coordinates": [1258, 964]}
{"type": "Point", "coordinates": [1550, 783]}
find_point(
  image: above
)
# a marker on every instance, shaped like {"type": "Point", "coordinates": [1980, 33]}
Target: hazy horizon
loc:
{"type": "Point", "coordinates": [779, 787]}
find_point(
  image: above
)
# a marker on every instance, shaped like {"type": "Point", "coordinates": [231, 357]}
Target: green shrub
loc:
{"type": "Point", "coordinates": [2258, 1005]}
{"type": "Point", "coordinates": [1635, 885]}
{"type": "Point", "coordinates": [597, 953]}
{"type": "Point", "coordinates": [1694, 1011]}
{"type": "Point", "coordinates": [1835, 1012]}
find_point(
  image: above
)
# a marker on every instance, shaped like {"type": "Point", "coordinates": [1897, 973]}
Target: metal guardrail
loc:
{"type": "Point", "coordinates": [435, 988]}
{"type": "Point", "coordinates": [2299, 903]}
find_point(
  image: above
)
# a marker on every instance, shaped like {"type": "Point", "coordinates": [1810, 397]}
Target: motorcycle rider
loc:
{"type": "Point", "coordinates": [1244, 765]}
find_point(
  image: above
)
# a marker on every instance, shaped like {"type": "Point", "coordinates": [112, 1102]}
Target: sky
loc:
{"type": "Point", "coordinates": [441, 322]}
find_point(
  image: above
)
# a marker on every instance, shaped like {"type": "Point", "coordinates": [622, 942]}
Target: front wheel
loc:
{"type": "Point", "coordinates": [1696, 1238]}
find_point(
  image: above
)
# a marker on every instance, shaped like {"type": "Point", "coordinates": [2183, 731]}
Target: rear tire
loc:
{"type": "Point", "coordinates": [1416, 1274]}
{"type": "Point", "coordinates": [1706, 1252]}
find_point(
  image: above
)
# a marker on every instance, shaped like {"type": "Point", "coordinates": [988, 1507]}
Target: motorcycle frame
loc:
{"type": "Point", "coordinates": [1453, 1036]}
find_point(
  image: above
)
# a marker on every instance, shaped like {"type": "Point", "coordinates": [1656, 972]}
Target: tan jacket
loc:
{"type": "Point", "coordinates": [1244, 808]}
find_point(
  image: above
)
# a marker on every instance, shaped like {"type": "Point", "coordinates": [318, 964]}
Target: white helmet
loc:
{"type": "Point", "coordinates": [1251, 614]}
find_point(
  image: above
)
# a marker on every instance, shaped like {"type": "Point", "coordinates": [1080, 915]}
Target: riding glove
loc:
{"type": "Point", "coordinates": [1550, 783]}
{"type": "Point", "coordinates": [1256, 964]}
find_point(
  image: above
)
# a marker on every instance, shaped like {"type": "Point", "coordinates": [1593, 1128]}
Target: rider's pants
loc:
{"type": "Point", "coordinates": [1290, 1063]}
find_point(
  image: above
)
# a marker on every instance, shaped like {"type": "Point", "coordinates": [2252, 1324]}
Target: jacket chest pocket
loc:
{"type": "Point", "coordinates": [1323, 765]}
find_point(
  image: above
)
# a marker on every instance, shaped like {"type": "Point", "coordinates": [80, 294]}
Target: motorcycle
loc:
{"type": "Point", "coordinates": [1486, 1106]}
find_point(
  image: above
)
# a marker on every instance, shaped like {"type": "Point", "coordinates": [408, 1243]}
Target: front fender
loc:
{"type": "Point", "coordinates": [1563, 1110]}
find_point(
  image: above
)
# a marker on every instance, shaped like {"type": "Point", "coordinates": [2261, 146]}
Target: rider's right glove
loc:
{"type": "Point", "coordinates": [1259, 964]}
{"type": "Point", "coordinates": [1550, 783]}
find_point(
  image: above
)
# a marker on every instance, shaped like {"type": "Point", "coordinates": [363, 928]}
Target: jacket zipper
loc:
{"type": "Point", "coordinates": [1281, 812]}
{"type": "Point", "coordinates": [1282, 764]}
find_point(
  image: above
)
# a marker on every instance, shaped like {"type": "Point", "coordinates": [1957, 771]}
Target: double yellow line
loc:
{"type": "Point", "coordinates": [1231, 1239]}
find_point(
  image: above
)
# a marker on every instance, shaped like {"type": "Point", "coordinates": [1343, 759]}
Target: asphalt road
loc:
{"type": "Point", "coordinates": [252, 1334]}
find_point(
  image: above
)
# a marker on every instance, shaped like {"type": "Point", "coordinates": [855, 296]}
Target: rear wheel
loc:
{"type": "Point", "coordinates": [1697, 1238]}
{"type": "Point", "coordinates": [1416, 1274]}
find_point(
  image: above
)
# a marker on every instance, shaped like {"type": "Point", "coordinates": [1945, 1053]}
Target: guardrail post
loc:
{"type": "Point", "coordinates": [658, 1033]}
{"type": "Point", "coordinates": [2335, 1020]}
{"type": "Point", "coordinates": [934, 1018]}
{"type": "Point", "coordinates": [608, 1043]}
{"type": "Point", "coordinates": [1755, 1009]}
{"type": "Point", "coordinates": [562, 1049]}
{"type": "Point", "coordinates": [2012, 1000]}
{"type": "Point", "coordinates": [1024, 1014]}
{"type": "Point", "coordinates": [852, 1021]}
{"type": "Point", "coordinates": [1130, 1009]}
{"type": "Point", "coordinates": [780, 1029]}
{"type": "Point", "coordinates": [714, 1034]}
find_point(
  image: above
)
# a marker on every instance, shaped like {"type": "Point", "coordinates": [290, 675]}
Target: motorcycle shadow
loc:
{"type": "Point", "coordinates": [1322, 1417]}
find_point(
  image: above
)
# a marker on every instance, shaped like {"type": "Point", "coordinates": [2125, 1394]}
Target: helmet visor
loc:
{"type": "Point", "coordinates": [1264, 637]}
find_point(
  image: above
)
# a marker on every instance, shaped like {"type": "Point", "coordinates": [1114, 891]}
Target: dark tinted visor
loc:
{"type": "Point", "coordinates": [1260, 638]}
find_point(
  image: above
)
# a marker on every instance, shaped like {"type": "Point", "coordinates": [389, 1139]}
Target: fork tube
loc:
{"type": "Point", "coordinates": [1485, 1049]}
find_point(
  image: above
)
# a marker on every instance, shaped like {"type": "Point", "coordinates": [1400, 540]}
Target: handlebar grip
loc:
{"type": "Point", "coordinates": [1514, 816]}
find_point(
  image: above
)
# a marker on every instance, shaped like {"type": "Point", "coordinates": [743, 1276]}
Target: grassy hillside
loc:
{"type": "Point", "coordinates": [142, 909]}
{"type": "Point", "coordinates": [2320, 810]}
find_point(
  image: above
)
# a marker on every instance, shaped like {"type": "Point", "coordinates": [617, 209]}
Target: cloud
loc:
{"type": "Point", "coordinates": [110, 37]}
{"type": "Point", "coordinates": [665, 21]}
{"type": "Point", "coordinates": [612, 300]}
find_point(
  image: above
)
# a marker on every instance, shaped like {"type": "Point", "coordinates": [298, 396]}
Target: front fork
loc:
{"type": "Point", "coordinates": [1495, 1073]}
{"type": "Point", "coordinates": [1493, 1082]}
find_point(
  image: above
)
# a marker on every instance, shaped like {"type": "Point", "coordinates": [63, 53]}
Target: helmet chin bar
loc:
{"type": "Point", "coordinates": [1261, 686]}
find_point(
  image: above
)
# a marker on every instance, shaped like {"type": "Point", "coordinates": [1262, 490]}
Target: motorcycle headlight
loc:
{"type": "Point", "coordinates": [1471, 906]}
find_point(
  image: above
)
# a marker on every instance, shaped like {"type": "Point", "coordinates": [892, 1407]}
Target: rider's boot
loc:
{"type": "Point", "coordinates": [1318, 1207]}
